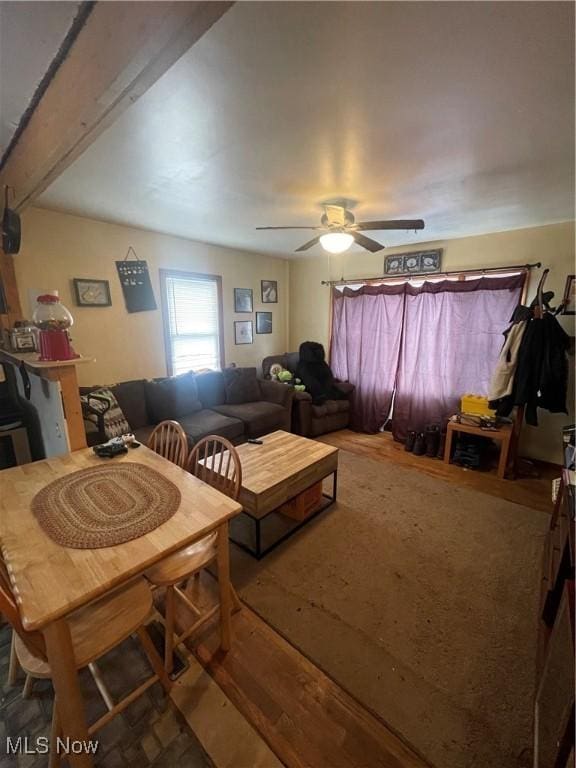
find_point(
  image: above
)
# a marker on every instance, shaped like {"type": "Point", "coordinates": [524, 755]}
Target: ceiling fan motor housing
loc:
{"type": "Point", "coordinates": [335, 216]}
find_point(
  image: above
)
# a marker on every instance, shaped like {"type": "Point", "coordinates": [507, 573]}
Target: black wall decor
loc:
{"type": "Point", "coordinates": [135, 282]}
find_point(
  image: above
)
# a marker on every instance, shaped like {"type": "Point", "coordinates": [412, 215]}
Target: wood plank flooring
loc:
{"type": "Point", "coordinates": [532, 491]}
{"type": "Point", "coordinates": [305, 717]}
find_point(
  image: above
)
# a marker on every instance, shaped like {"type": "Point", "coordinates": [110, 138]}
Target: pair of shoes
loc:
{"type": "Point", "coordinates": [420, 443]}
{"type": "Point", "coordinates": [432, 440]}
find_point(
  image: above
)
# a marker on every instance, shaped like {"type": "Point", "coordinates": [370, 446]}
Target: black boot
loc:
{"type": "Point", "coordinates": [441, 444]}
{"type": "Point", "coordinates": [419, 445]}
{"type": "Point", "coordinates": [432, 437]}
{"type": "Point", "coordinates": [409, 442]}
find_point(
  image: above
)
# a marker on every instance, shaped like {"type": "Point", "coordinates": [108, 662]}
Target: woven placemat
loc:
{"type": "Point", "coordinates": [105, 506]}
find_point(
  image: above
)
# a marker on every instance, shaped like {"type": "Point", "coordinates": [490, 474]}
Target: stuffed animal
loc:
{"type": "Point", "coordinates": [277, 373]}
{"type": "Point", "coordinates": [315, 373]}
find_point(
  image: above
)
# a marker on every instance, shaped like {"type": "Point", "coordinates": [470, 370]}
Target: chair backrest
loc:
{"type": "Point", "coordinates": [169, 440]}
{"type": "Point", "coordinates": [215, 461]}
{"type": "Point", "coordinates": [8, 607]}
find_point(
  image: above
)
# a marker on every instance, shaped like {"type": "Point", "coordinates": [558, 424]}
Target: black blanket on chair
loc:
{"type": "Point", "coordinates": [315, 373]}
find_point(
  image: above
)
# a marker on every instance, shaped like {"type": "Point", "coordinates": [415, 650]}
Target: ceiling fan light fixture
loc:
{"type": "Point", "coordinates": [336, 242]}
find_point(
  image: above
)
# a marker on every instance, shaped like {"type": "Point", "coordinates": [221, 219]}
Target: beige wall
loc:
{"type": "Point", "coordinates": [553, 245]}
{"type": "Point", "coordinates": [57, 247]}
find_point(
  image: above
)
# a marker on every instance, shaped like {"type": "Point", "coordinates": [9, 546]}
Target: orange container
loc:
{"type": "Point", "coordinates": [303, 505]}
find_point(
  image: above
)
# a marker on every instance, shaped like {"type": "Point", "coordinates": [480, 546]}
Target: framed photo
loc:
{"type": "Point", "coordinates": [430, 260]}
{"type": "Point", "coordinates": [269, 291]}
{"type": "Point", "coordinates": [393, 265]}
{"type": "Point", "coordinates": [92, 293]}
{"type": "Point", "coordinates": [243, 300]}
{"type": "Point", "coordinates": [418, 262]}
{"type": "Point", "coordinates": [243, 332]}
{"type": "Point", "coordinates": [263, 322]}
{"type": "Point", "coordinates": [569, 299]}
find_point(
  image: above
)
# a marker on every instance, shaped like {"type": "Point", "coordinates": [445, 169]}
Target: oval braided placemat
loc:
{"type": "Point", "coordinates": [105, 506]}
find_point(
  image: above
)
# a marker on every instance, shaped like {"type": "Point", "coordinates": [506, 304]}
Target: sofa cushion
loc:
{"type": "Point", "coordinates": [241, 386]}
{"type": "Point", "coordinates": [329, 408]}
{"type": "Point", "coordinates": [142, 434]}
{"type": "Point", "coordinates": [172, 398]}
{"type": "Point", "coordinates": [208, 422]}
{"type": "Point", "coordinates": [259, 418]}
{"type": "Point", "coordinates": [211, 389]}
{"type": "Point", "coordinates": [132, 399]}
{"type": "Point", "coordinates": [292, 360]}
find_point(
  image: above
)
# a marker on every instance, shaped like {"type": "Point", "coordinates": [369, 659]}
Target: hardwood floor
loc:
{"type": "Point", "coordinates": [305, 717]}
{"type": "Point", "coordinates": [533, 491]}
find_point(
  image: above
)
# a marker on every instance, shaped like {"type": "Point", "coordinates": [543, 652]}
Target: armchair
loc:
{"type": "Point", "coordinates": [308, 419]}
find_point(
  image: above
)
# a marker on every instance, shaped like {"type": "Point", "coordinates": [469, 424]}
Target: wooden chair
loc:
{"type": "Point", "coordinates": [95, 630]}
{"type": "Point", "coordinates": [169, 440]}
{"type": "Point", "coordinates": [215, 461]}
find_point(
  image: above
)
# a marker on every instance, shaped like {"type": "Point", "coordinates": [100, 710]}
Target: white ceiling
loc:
{"type": "Point", "coordinates": [458, 113]}
{"type": "Point", "coordinates": [30, 35]}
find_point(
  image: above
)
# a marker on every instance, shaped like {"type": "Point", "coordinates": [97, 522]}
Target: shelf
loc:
{"type": "Point", "coordinates": [32, 361]}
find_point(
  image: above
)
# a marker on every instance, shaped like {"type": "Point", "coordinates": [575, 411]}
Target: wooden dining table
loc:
{"type": "Point", "coordinates": [49, 581]}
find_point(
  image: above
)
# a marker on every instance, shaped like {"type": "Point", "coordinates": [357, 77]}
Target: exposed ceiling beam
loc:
{"type": "Point", "coordinates": [121, 50]}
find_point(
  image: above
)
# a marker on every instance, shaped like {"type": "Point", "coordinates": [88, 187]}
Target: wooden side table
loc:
{"type": "Point", "coordinates": [20, 445]}
{"type": "Point", "coordinates": [502, 435]}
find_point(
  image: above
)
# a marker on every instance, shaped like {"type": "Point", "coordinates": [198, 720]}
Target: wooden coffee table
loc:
{"type": "Point", "coordinates": [273, 473]}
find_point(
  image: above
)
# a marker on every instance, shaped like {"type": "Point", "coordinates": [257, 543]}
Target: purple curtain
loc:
{"type": "Point", "coordinates": [425, 346]}
{"type": "Point", "coordinates": [450, 344]}
{"type": "Point", "coordinates": [366, 333]}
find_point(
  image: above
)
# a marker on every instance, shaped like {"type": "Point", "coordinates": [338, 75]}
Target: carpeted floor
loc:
{"type": "Point", "coordinates": [420, 598]}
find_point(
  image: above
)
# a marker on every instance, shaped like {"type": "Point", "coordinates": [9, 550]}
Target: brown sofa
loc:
{"type": "Point", "coordinates": [308, 419]}
{"type": "Point", "coordinates": [232, 403]}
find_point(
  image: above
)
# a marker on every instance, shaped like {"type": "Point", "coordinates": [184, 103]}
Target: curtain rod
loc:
{"type": "Point", "coordinates": [515, 267]}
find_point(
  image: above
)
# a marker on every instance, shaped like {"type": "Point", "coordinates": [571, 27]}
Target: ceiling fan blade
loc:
{"type": "Point", "coordinates": [366, 242]}
{"type": "Point", "coordinates": [309, 244]}
{"type": "Point", "coordinates": [397, 224]}
{"type": "Point", "coordinates": [290, 227]}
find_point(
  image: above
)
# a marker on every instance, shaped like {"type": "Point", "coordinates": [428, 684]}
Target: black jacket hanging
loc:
{"type": "Point", "coordinates": [542, 373]}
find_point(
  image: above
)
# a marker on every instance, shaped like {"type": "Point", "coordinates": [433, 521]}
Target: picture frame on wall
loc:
{"type": "Point", "coordinates": [417, 262]}
{"type": "Point", "coordinates": [269, 290]}
{"type": "Point", "coordinates": [243, 332]}
{"type": "Point", "coordinates": [92, 293]}
{"type": "Point", "coordinates": [569, 299]}
{"type": "Point", "coordinates": [243, 301]}
{"type": "Point", "coordinates": [263, 322]}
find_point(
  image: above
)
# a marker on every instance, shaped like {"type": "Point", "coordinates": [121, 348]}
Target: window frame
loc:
{"type": "Point", "coordinates": [165, 274]}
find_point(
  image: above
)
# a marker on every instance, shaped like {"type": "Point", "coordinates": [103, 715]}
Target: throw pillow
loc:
{"type": "Point", "coordinates": [112, 419]}
{"type": "Point", "coordinates": [132, 399]}
{"type": "Point", "coordinates": [173, 397]}
{"type": "Point", "coordinates": [241, 386]}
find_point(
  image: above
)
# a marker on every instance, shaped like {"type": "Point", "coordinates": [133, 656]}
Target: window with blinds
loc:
{"type": "Point", "coordinates": [192, 321]}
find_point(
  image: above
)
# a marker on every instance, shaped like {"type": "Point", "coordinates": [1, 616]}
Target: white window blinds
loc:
{"type": "Point", "coordinates": [192, 321]}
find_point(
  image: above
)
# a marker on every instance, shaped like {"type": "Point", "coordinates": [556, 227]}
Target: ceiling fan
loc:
{"type": "Point", "coordinates": [338, 224]}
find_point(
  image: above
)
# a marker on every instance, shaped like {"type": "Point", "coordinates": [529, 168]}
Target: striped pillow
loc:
{"type": "Point", "coordinates": [113, 420]}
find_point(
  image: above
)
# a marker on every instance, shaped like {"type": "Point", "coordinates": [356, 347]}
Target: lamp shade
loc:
{"type": "Point", "coordinates": [336, 242]}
